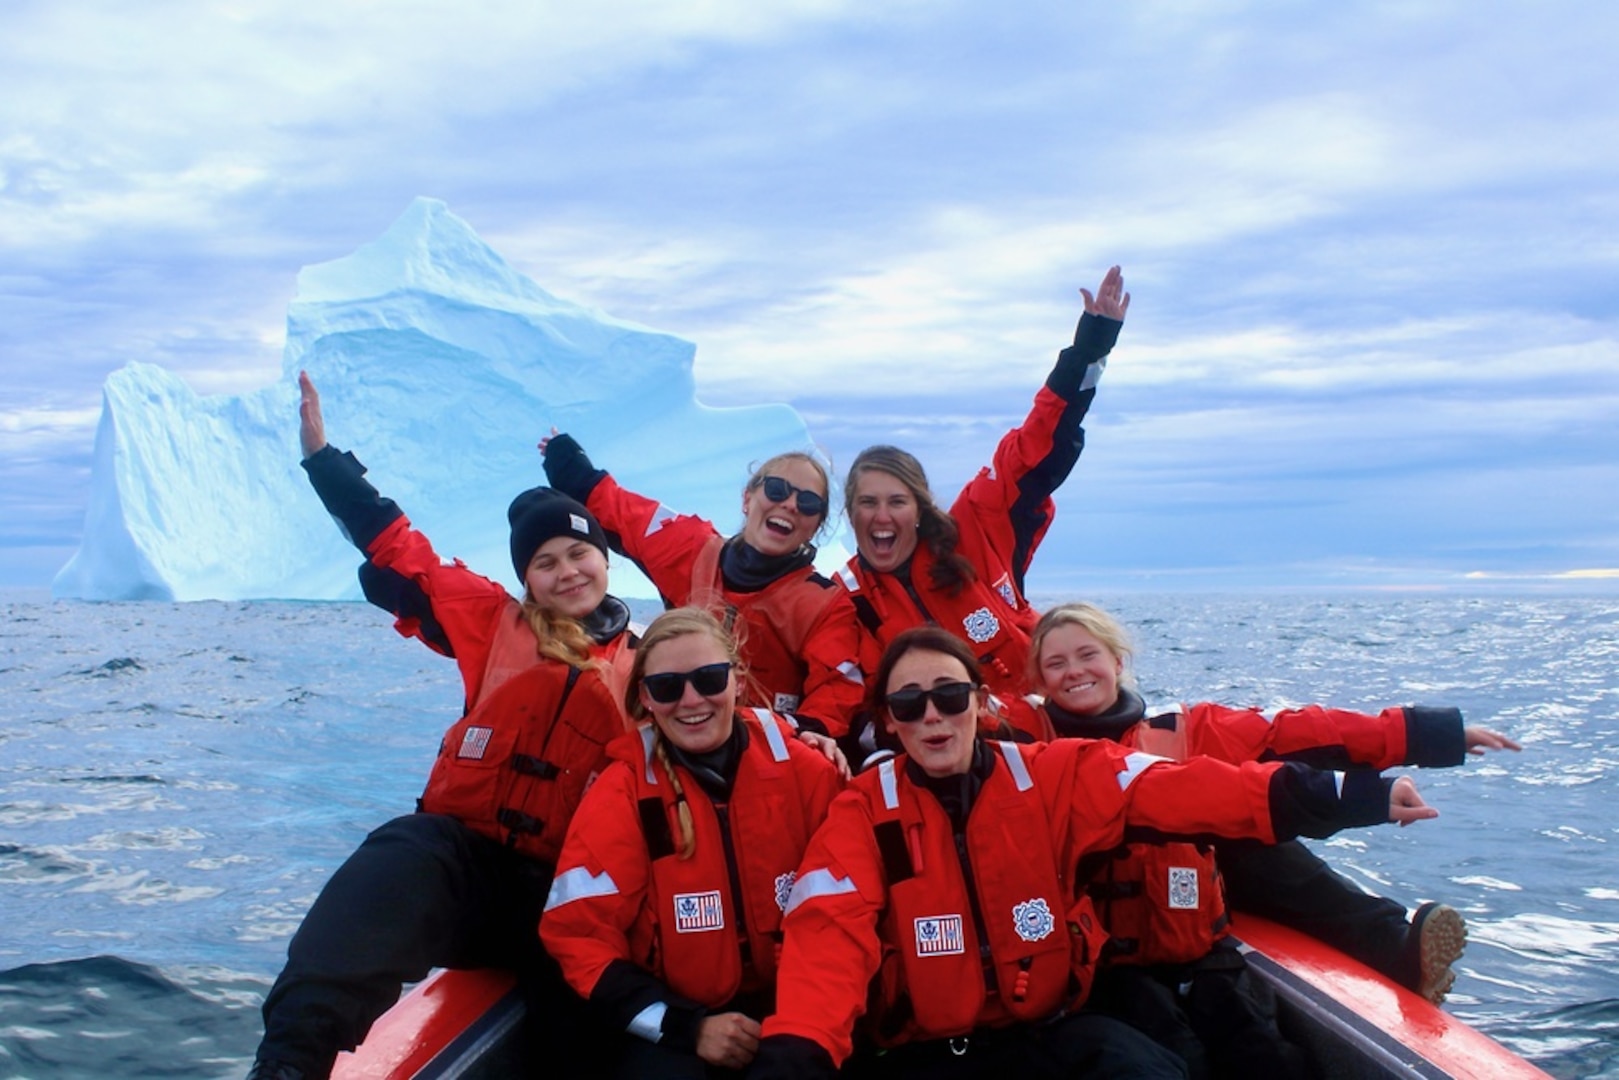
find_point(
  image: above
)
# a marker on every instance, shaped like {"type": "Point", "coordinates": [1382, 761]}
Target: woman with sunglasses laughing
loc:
{"type": "Point", "coordinates": [462, 882]}
{"type": "Point", "coordinates": [795, 628]}
{"type": "Point", "coordinates": [964, 570]}
{"type": "Point", "coordinates": [666, 910]}
{"type": "Point", "coordinates": [942, 888]}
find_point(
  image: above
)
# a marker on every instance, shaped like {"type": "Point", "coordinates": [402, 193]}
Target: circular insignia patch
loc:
{"type": "Point", "coordinates": [784, 888]}
{"type": "Point", "coordinates": [981, 626]}
{"type": "Point", "coordinates": [1033, 920]}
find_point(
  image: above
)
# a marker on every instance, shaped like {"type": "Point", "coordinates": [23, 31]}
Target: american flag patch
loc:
{"type": "Point", "coordinates": [695, 912]}
{"type": "Point", "coordinates": [474, 742]}
{"type": "Point", "coordinates": [939, 935]}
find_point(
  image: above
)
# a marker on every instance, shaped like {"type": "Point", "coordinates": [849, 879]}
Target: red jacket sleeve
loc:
{"type": "Point", "coordinates": [600, 885]}
{"type": "Point", "coordinates": [662, 543]}
{"type": "Point", "coordinates": [832, 949]}
{"type": "Point", "coordinates": [834, 680]}
{"type": "Point", "coordinates": [464, 603]}
{"type": "Point", "coordinates": [1314, 734]}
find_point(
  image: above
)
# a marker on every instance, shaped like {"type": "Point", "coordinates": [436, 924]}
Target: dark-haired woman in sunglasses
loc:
{"type": "Point", "coordinates": [964, 570]}
{"type": "Point", "coordinates": [795, 628]}
{"type": "Point", "coordinates": [942, 887]}
{"type": "Point", "coordinates": [666, 909]}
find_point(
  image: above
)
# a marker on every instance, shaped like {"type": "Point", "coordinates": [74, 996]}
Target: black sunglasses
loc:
{"type": "Point", "coordinates": [950, 699]}
{"type": "Point", "coordinates": [778, 490]}
{"type": "Point", "coordinates": [666, 687]}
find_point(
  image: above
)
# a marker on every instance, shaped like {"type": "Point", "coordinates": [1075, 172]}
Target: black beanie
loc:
{"type": "Point", "coordinates": [541, 514]}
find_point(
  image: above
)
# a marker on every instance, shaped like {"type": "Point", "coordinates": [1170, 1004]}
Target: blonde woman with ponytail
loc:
{"type": "Point", "coordinates": [462, 882]}
{"type": "Point", "coordinates": [665, 913]}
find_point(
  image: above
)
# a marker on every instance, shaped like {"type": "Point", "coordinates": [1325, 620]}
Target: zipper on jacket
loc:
{"type": "Point", "coordinates": [985, 956]}
{"type": "Point", "coordinates": [723, 816]}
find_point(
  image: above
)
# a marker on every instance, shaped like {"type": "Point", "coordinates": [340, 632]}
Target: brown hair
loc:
{"type": "Point", "coordinates": [1092, 619]}
{"type": "Point", "coordinates": [951, 572]}
{"type": "Point", "coordinates": [674, 623]}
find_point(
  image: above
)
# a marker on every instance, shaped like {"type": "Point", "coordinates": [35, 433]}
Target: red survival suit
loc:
{"type": "Point", "coordinates": [1164, 903]}
{"type": "Point", "coordinates": [535, 731]}
{"type": "Point", "coordinates": [993, 929]}
{"type": "Point", "coordinates": [707, 927]}
{"type": "Point", "coordinates": [1002, 513]}
{"type": "Point", "coordinates": [797, 633]}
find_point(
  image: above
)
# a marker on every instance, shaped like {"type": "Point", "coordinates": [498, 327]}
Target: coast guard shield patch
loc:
{"type": "Point", "coordinates": [784, 888]}
{"type": "Point", "coordinates": [981, 625]}
{"type": "Point", "coordinates": [697, 912]}
{"type": "Point", "coordinates": [939, 935]}
{"type": "Point", "coordinates": [1183, 888]}
{"type": "Point", "coordinates": [1033, 919]}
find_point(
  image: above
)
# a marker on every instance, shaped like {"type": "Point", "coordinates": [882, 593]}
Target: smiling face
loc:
{"type": "Point", "coordinates": [884, 515]}
{"type": "Point", "coordinates": [942, 744]}
{"type": "Point", "coordinates": [695, 723]}
{"type": "Point", "coordinates": [1078, 671]}
{"type": "Point", "coordinates": [773, 528]}
{"type": "Point", "coordinates": [567, 576]}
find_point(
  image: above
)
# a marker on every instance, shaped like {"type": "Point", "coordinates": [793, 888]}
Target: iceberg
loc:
{"type": "Point", "coordinates": [440, 367]}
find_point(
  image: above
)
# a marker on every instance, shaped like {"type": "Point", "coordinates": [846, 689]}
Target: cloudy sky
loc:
{"type": "Point", "coordinates": [1372, 246]}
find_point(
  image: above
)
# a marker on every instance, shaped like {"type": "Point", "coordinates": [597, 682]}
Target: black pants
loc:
{"type": "Point", "coordinates": [1083, 1044]}
{"type": "Point", "coordinates": [1213, 1012]}
{"type": "Point", "coordinates": [1290, 885]}
{"type": "Point", "coordinates": [422, 891]}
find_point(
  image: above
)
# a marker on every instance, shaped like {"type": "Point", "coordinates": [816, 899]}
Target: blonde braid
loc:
{"type": "Point", "coordinates": [559, 637]}
{"type": "Point", "coordinates": [688, 831]}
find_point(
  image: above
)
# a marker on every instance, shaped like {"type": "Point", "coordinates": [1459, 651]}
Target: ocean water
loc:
{"type": "Point", "coordinates": [176, 782]}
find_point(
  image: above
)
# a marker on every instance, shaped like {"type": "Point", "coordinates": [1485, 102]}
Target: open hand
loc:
{"type": "Point", "coordinates": [311, 427]}
{"type": "Point", "coordinates": [1110, 301]}
{"type": "Point", "coordinates": [828, 747]}
{"type": "Point", "coordinates": [1480, 739]}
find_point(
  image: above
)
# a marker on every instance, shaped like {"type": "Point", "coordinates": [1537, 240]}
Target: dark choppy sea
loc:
{"type": "Point", "coordinates": [176, 781]}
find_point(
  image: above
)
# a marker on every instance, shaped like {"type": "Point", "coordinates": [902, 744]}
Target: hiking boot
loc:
{"type": "Point", "coordinates": [1433, 943]}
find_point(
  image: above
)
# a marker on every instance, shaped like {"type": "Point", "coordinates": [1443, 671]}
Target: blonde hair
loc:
{"type": "Point", "coordinates": [1092, 619]}
{"type": "Point", "coordinates": [559, 637]}
{"type": "Point", "coordinates": [757, 480]}
{"type": "Point", "coordinates": [674, 623]}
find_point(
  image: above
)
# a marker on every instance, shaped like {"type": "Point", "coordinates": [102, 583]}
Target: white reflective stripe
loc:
{"type": "Point", "coordinates": [1134, 765]}
{"type": "Point", "coordinates": [816, 883]}
{"type": "Point", "coordinates": [648, 735]}
{"type": "Point", "coordinates": [648, 1023]}
{"type": "Point", "coordinates": [1093, 374]}
{"type": "Point", "coordinates": [778, 745]}
{"type": "Point", "coordinates": [659, 516]}
{"type": "Point", "coordinates": [1019, 767]}
{"type": "Point", "coordinates": [1338, 784]}
{"type": "Point", "coordinates": [885, 776]}
{"type": "Point", "coordinates": [579, 884]}
{"type": "Point", "coordinates": [846, 575]}
{"type": "Point", "coordinates": [851, 671]}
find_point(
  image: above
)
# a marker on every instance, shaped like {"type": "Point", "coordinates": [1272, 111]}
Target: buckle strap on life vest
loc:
{"type": "Point", "coordinates": [533, 766]}
{"type": "Point", "coordinates": [515, 821]}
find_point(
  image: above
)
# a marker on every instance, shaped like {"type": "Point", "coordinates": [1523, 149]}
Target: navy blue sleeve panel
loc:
{"type": "Point", "coordinates": [568, 468]}
{"type": "Point", "coordinates": [407, 601]}
{"type": "Point", "coordinates": [791, 1057]}
{"type": "Point", "coordinates": [1307, 802]}
{"type": "Point", "coordinates": [625, 991]}
{"type": "Point", "coordinates": [339, 479]}
{"type": "Point", "coordinates": [1435, 737]}
{"type": "Point", "coordinates": [1094, 338]}
{"type": "Point", "coordinates": [1071, 380]}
